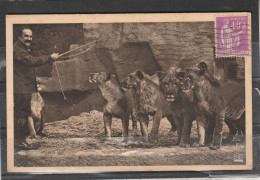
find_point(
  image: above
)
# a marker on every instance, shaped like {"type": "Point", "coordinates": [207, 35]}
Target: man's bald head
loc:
{"type": "Point", "coordinates": [26, 36]}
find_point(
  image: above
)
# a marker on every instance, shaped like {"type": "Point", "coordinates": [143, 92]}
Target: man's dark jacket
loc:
{"type": "Point", "coordinates": [24, 68]}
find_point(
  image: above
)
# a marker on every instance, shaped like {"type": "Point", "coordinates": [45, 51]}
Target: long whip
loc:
{"type": "Point", "coordinates": [76, 49]}
{"type": "Point", "coordinates": [62, 91]}
{"type": "Point", "coordinates": [59, 56]}
{"type": "Point", "coordinates": [75, 54]}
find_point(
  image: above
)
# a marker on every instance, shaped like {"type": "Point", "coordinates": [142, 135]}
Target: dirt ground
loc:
{"type": "Point", "coordinates": [79, 141]}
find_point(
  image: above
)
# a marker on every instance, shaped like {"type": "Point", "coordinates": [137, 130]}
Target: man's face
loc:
{"type": "Point", "coordinates": [26, 37]}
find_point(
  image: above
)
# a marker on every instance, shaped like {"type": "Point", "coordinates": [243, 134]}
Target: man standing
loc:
{"type": "Point", "coordinates": [25, 81]}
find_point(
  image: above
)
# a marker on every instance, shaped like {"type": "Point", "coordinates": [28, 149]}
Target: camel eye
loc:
{"type": "Point", "coordinates": [165, 83]}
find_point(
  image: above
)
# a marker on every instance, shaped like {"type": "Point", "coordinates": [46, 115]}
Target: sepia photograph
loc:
{"type": "Point", "coordinates": [129, 92]}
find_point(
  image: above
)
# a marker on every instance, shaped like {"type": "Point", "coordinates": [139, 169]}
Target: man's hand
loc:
{"type": "Point", "coordinates": [54, 56]}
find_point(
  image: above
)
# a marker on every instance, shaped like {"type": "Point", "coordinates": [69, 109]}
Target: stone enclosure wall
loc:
{"type": "Point", "coordinates": [119, 49]}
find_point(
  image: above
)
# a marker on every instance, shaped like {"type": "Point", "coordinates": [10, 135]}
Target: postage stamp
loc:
{"type": "Point", "coordinates": [232, 36]}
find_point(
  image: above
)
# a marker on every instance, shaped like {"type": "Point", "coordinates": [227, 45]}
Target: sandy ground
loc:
{"type": "Point", "coordinates": [79, 141]}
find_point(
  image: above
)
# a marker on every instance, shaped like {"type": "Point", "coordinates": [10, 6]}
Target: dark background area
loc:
{"type": "Point", "coordinates": [47, 36]}
{"type": "Point", "coordinates": [133, 6]}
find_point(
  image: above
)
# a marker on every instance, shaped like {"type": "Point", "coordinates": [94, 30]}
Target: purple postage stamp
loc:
{"type": "Point", "coordinates": [232, 36]}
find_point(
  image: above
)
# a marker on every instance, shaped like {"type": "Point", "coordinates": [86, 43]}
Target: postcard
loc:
{"type": "Point", "coordinates": [129, 92]}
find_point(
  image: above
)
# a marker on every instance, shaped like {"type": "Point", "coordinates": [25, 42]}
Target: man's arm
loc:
{"type": "Point", "coordinates": [26, 58]}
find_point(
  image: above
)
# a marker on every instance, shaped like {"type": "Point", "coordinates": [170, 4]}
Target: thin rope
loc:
{"type": "Point", "coordinates": [76, 54]}
{"type": "Point", "coordinates": [56, 67]}
{"type": "Point", "coordinates": [76, 49]}
{"type": "Point", "coordinates": [62, 91]}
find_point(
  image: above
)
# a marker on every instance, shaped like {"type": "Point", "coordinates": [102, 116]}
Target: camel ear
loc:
{"type": "Point", "coordinates": [160, 74]}
{"type": "Point", "coordinates": [140, 75]}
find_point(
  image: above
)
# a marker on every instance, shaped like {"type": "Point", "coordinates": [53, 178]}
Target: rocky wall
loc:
{"type": "Point", "coordinates": [123, 48]}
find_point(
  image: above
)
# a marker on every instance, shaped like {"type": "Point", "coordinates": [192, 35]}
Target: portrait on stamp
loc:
{"type": "Point", "coordinates": [129, 92]}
